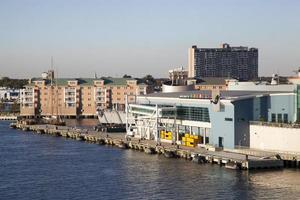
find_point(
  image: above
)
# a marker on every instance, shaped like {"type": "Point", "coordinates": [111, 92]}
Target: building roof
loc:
{"type": "Point", "coordinates": [212, 81]}
{"type": "Point", "coordinates": [116, 81]}
{"type": "Point", "coordinates": [206, 94]}
{"type": "Point", "coordinates": [86, 81]}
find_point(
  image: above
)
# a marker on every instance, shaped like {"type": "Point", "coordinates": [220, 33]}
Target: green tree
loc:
{"type": "Point", "coordinates": [149, 79]}
{"type": "Point", "coordinates": [13, 83]}
{"type": "Point", "coordinates": [127, 76]}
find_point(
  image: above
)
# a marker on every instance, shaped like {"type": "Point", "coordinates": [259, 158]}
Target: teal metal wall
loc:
{"type": "Point", "coordinates": [232, 121]}
{"type": "Point", "coordinates": [283, 104]}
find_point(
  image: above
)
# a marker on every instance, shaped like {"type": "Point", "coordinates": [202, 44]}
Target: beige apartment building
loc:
{"type": "Point", "coordinates": [80, 97]}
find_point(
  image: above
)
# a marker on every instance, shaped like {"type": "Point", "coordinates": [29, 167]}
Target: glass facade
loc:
{"type": "Point", "coordinates": [193, 113]}
{"type": "Point", "coordinates": [142, 110]}
{"type": "Point", "coordinates": [273, 117]}
{"type": "Point", "coordinates": [279, 118]}
{"type": "Point", "coordinates": [285, 118]}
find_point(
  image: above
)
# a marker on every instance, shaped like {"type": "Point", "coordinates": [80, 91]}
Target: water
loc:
{"type": "Point", "coordinates": [44, 167]}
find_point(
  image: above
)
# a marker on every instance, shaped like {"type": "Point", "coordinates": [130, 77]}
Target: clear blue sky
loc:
{"type": "Point", "coordinates": [138, 37]}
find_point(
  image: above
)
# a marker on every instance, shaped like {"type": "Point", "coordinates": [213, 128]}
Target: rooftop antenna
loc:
{"type": "Point", "coordinates": [51, 62]}
{"type": "Point", "coordinates": [51, 67]}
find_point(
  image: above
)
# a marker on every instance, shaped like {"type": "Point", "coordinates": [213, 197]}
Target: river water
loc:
{"type": "Point", "coordinates": [44, 167]}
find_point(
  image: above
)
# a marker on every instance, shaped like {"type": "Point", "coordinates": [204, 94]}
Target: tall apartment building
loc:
{"type": "Point", "coordinates": [234, 62]}
{"type": "Point", "coordinates": [47, 96]}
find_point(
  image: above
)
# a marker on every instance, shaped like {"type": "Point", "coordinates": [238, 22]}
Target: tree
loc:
{"type": "Point", "coordinates": [127, 76]}
{"type": "Point", "coordinates": [13, 83]}
{"type": "Point", "coordinates": [148, 79]}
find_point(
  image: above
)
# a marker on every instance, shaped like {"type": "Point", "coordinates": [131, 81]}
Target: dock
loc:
{"type": "Point", "coordinates": [8, 118]}
{"type": "Point", "coordinates": [231, 160]}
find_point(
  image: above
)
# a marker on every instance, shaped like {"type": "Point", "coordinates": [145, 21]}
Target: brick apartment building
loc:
{"type": "Point", "coordinates": [78, 97]}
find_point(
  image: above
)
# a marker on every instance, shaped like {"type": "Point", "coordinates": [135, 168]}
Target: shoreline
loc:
{"type": "Point", "coordinates": [230, 160]}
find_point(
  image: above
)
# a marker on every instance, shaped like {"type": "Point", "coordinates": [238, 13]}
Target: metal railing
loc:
{"type": "Point", "coordinates": [276, 124]}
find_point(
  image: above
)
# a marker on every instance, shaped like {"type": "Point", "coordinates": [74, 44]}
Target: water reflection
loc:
{"type": "Point", "coordinates": [43, 167]}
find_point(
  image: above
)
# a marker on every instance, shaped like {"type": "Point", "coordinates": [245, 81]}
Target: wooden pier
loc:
{"type": "Point", "coordinates": [230, 160]}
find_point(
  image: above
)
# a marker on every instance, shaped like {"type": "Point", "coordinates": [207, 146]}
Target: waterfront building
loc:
{"type": "Point", "coordinates": [76, 97]}
{"type": "Point", "coordinates": [219, 119]}
{"type": "Point", "coordinates": [8, 94]}
{"type": "Point", "coordinates": [232, 62]}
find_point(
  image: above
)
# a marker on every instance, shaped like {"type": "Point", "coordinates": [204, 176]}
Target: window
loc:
{"type": "Point", "coordinates": [193, 113]}
{"type": "Point", "coordinates": [285, 118]}
{"type": "Point", "coordinates": [279, 118]}
{"type": "Point", "coordinates": [228, 119]}
{"type": "Point", "coordinates": [273, 117]}
{"type": "Point", "coordinates": [241, 119]}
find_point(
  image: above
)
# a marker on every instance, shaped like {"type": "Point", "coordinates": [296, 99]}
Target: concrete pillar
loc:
{"type": "Point", "coordinates": [177, 132]}
{"type": "Point", "coordinates": [204, 136]}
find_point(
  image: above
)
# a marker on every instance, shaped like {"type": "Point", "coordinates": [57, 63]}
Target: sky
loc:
{"type": "Point", "coordinates": [139, 37]}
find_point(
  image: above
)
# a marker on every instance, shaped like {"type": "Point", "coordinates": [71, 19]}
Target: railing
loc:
{"type": "Point", "coordinates": [100, 99]}
{"type": "Point", "coordinates": [69, 93]}
{"type": "Point", "coordinates": [276, 124]}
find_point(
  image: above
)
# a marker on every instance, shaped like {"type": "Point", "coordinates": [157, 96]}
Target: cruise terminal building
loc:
{"type": "Point", "coordinates": [216, 118]}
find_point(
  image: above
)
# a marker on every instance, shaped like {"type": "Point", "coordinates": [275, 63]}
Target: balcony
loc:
{"type": "Point", "coordinates": [70, 100]}
{"type": "Point", "coordinates": [100, 99]}
{"type": "Point", "coordinates": [70, 93]}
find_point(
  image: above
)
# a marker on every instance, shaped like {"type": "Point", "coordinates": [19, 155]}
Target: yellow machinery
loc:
{"type": "Point", "coordinates": [167, 135]}
{"type": "Point", "coordinates": [191, 140]}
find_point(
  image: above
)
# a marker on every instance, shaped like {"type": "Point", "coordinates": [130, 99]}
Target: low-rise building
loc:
{"type": "Point", "coordinates": [77, 97]}
{"type": "Point", "coordinates": [8, 94]}
{"type": "Point", "coordinates": [220, 120]}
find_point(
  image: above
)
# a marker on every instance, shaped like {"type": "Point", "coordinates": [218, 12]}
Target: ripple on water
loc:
{"type": "Point", "coordinates": [43, 167]}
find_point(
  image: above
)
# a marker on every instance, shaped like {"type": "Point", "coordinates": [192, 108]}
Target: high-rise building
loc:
{"type": "Point", "coordinates": [234, 62]}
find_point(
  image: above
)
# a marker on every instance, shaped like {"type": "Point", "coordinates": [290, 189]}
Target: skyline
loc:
{"type": "Point", "coordinates": [138, 38]}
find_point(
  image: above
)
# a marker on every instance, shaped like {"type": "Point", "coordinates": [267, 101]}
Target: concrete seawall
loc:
{"type": "Point", "coordinates": [199, 155]}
